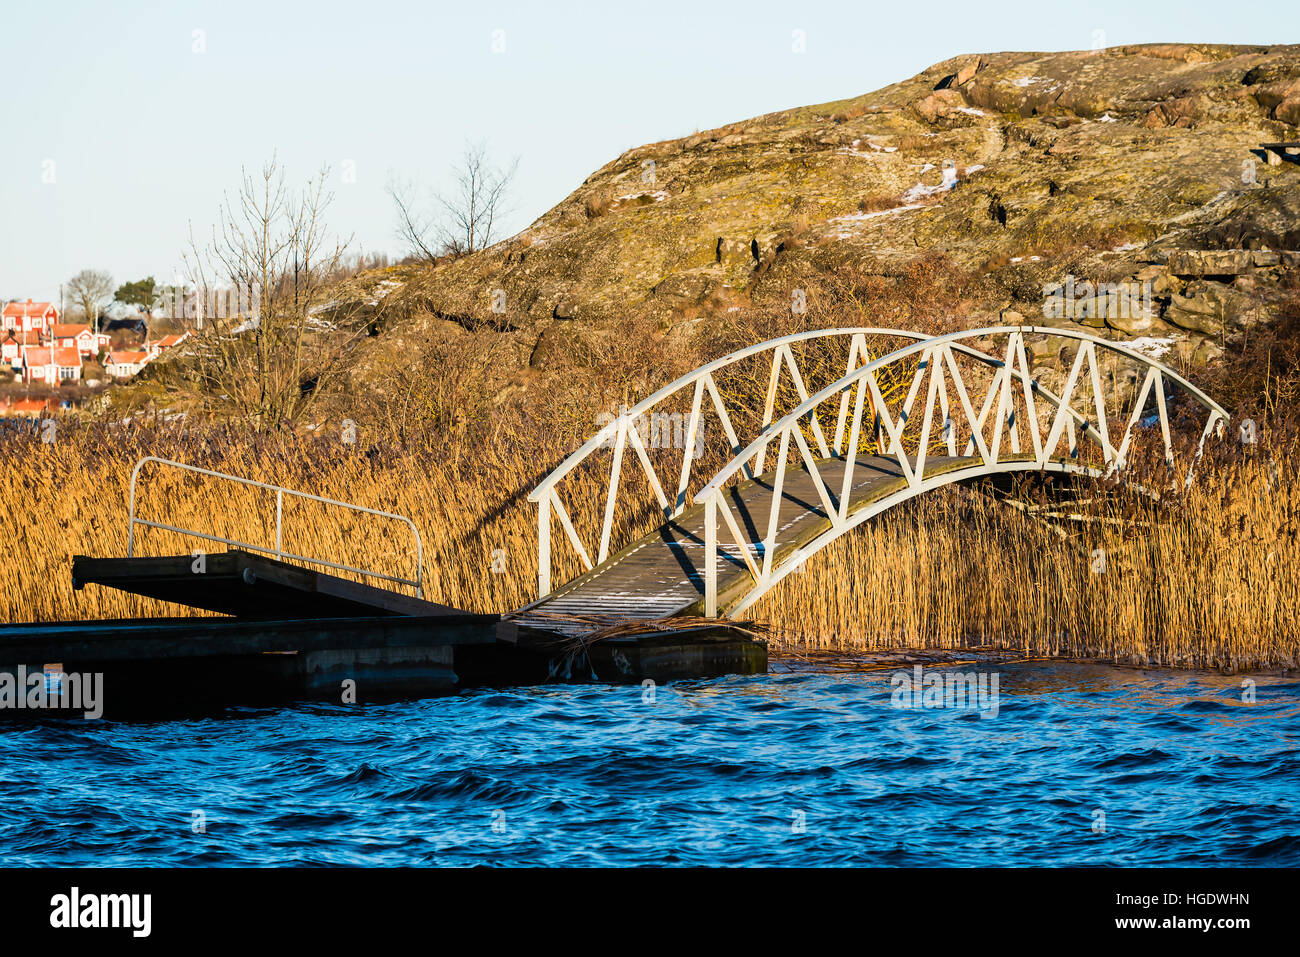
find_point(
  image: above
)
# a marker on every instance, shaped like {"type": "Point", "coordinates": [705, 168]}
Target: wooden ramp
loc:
{"type": "Point", "coordinates": [250, 586]}
{"type": "Point", "coordinates": [661, 575]}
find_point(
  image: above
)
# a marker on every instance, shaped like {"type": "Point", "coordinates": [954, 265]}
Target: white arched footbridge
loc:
{"type": "Point", "coordinates": [905, 413]}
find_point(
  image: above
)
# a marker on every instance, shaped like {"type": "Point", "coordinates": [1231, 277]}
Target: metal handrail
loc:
{"type": "Point", "coordinates": [714, 485]}
{"type": "Point", "coordinates": [601, 439]}
{"type": "Point", "coordinates": [545, 494]}
{"type": "Point", "coordinates": [278, 551]}
{"type": "Point", "coordinates": [766, 570]}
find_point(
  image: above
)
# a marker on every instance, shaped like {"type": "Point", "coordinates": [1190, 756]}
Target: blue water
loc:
{"type": "Point", "coordinates": [806, 767]}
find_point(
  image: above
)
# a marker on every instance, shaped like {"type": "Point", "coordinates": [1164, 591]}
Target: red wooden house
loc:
{"type": "Point", "coordinates": [12, 344]}
{"type": "Point", "coordinates": [28, 316]}
{"type": "Point", "coordinates": [79, 337]}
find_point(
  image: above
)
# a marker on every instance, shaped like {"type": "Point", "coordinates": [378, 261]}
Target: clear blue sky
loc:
{"type": "Point", "coordinates": [141, 133]}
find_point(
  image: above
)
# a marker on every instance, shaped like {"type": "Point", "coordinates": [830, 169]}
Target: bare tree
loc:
{"type": "Point", "coordinates": [466, 218]}
{"type": "Point", "coordinates": [472, 208]}
{"type": "Point", "coordinates": [89, 289]}
{"type": "Point", "coordinates": [413, 228]}
{"type": "Point", "coordinates": [271, 335]}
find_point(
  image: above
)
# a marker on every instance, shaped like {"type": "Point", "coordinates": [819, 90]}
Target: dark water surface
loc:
{"type": "Point", "coordinates": [806, 767]}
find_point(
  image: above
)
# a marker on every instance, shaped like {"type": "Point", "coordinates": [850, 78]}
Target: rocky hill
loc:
{"type": "Point", "coordinates": [1023, 170]}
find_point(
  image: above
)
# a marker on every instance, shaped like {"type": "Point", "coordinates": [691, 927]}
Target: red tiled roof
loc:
{"type": "Point", "coordinates": [30, 405]}
{"type": "Point", "coordinates": [43, 355]}
{"type": "Point", "coordinates": [69, 330]}
{"type": "Point", "coordinates": [28, 308]}
{"type": "Point", "coordinates": [128, 358]}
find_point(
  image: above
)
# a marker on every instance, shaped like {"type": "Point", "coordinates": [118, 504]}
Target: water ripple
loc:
{"type": "Point", "coordinates": [1082, 765]}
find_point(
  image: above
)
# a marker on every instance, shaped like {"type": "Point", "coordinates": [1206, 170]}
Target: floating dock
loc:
{"type": "Point", "coordinates": [283, 627]}
{"type": "Point", "coordinates": [292, 633]}
{"type": "Point", "coordinates": [182, 665]}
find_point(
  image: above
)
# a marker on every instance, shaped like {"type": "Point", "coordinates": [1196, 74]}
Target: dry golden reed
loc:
{"type": "Point", "coordinates": [1208, 576]}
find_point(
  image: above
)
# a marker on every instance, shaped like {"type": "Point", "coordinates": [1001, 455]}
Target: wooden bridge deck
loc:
{"type": "Point", "coordinates": [661, 575]}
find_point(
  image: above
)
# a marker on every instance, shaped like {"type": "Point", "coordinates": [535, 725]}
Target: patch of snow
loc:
{"type": "Point", "coordinates": [873, 146]}
{"type": "Point", "coordinates": [1027, 81]}
{"type": "Point", "coordinates": [381, 290]}
{"type": "Point", "coordinates": [970, 111]}
{"type": "Point", "coordinates": [1106, 118]}
{"type": "Point", "coordinates": [1151, 346]}
{"type": "Point", "coordinates": [858, 218]}
{"type": "Point", "coordinates": [920, 190]}
{"type": "Point", "coordinates": [658, 195]}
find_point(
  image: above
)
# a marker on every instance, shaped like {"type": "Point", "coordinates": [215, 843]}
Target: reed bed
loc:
{"type": "Point", "coordinates": [1207, 576]}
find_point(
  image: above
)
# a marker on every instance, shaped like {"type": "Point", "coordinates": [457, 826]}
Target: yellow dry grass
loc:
{"type": "Point", "coordinates": [1207, 577]}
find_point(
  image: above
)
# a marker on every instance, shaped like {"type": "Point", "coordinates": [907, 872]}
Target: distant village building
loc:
{"type": "Point", "coordinates": [79, 337]}
{"type": "Point", "coordinates": [51, 364]}
{"type": "Point", "coordinates": [11, 352]}
{"type": "Point", "coordinates": [23, 407]}
{"type": "Point", "coordinates": [123, 365]}
{"type": "Point", "coordinates": [128, 325]}
{"type": "Point", "coordinates": [28, 316]}
{"type": "Point", "coordinates": [11, 347]}
{"type": "Point", "coordinates": [156, 347]}
{"type": "Point", "coordinates": [34, 343]}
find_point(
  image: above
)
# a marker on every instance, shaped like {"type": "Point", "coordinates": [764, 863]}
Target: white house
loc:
{"type": "Point", "coordinates": [123, 365]}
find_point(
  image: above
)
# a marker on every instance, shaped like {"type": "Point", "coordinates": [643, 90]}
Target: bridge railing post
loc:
{"type": "Point", "coordinates": [711, 557]}
{"type": "Point", "coordinates": [544, 546]}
